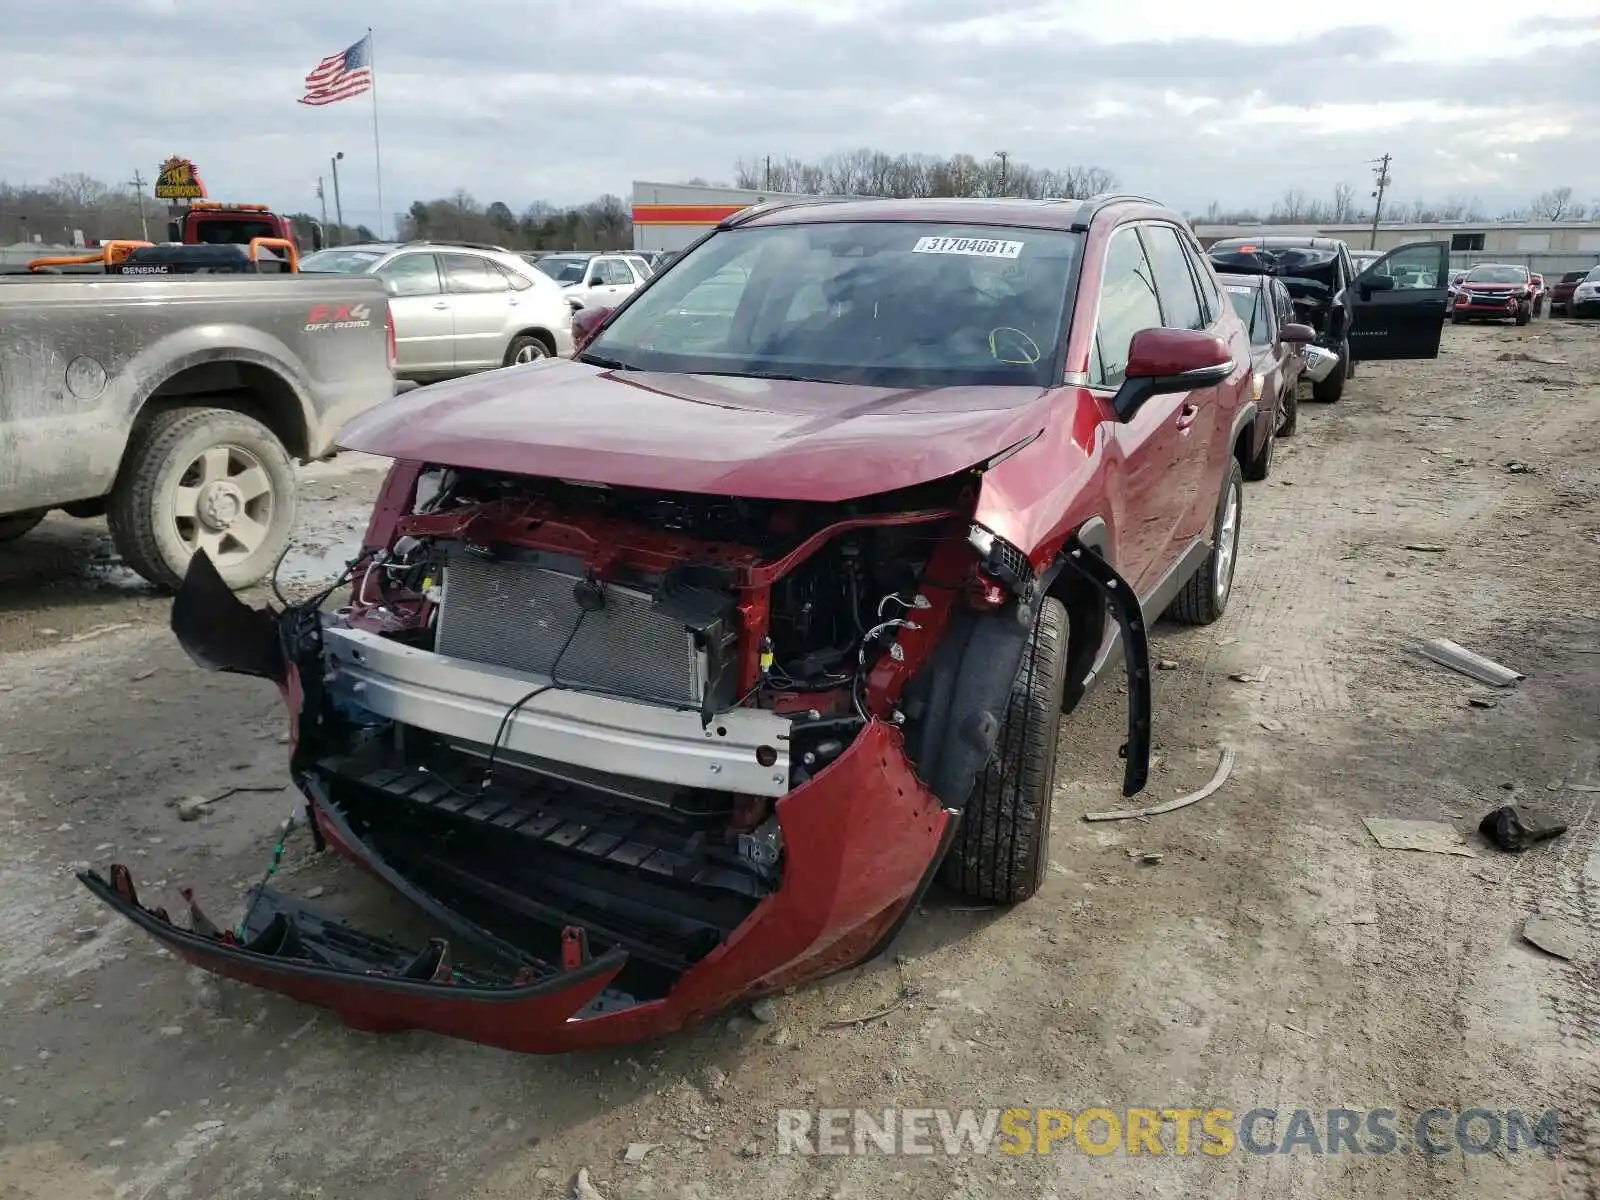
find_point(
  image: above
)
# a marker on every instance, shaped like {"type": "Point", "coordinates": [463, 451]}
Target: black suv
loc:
{"type": "Point", "coordinates": [1393, 308]}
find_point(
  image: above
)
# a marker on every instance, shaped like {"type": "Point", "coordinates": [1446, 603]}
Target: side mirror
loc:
{"type": "Point", "coordinates": [1163, 361]}
{"type": "Point", "coordinates": [174, 231]}
{"type": "Point", "coordinates": [1376, 283]}
{"type": "Point", "coordinates": [1297, 334]}
{"type": "Point", "coordinates": [586, 325]}
{"type": "Point", "coordinates": [316, 237]}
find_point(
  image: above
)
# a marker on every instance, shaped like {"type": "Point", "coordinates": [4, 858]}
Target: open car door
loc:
{"type": "Point", "coordinates": [1399, 303]}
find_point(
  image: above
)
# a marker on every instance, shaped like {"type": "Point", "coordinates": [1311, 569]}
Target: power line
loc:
{"type": "Point", "coordinates": [138, 194]}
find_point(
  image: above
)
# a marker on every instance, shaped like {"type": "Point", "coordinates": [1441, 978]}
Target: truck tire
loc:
{"type": "Point", "coordinates": [1204, 597]}
{"type": "Point", "coordinates": [1523, 315]}
{"type": "Point", "coordinates": [526, 348]}
{"type": "Point", "coordinates": [1002, 846]}
{"type": "Point", "coordinates": [1331, 388]}
{"type": "Point", "coordinates": [203, 477]}
{"type": "Point", "coordinates": [17, 524]}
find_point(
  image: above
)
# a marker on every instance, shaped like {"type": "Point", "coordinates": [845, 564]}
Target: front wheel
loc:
{"type": "Point", "coordinates": [203, 479]}
{"type": "Point", "coordinates": [1002, 846]}
{"type": "Point", "coordinates": [1204, 597]}
{"type": "Point", "coordinates": [1523, 316]}
{"type": "Point", "coordinates": [1331, 388]}
{"type": "Point", "coordinates": [1291, 411]}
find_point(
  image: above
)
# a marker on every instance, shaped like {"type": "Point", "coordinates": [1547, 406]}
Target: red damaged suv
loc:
{"type": "Point", "coordinates": [672, 674]}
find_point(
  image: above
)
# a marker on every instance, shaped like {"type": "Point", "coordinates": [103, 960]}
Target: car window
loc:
{"type": "Point", "coordinates": [641, 268]}
{"type": "Point", "coordinates": [1285, 306]}
{"type": "Point", "coordinates": [1205, 281]}
{"type": "Point", "coordinates": [1180, 302]}
{"type": "Point", "coordinates": [912, 304]}
{"type": "Point", "coordinates": [1592, 275]}
{"type": "Point", "coordinates": [467, 273]}
{"type": "Point", "coordinates": [1127, 305]}
{"type": "Point", "coordinates": [1251, 305]}
{"type": "Point", "coordinates": [515, 280]}
{"type": "Point", "coordinates": [410, 275]}
{"type": "Point", "coordinates": [616, 272]}
{"type": "Point", "coordinates": [354, 262]}
{"type": "Point", "coordinates": [564, 268]}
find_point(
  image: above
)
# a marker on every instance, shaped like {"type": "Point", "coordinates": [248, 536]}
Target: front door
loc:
{"type": "Point", "coordinates": [1399, 303]}
{"type": "Point", "coordinates": [424, 330]}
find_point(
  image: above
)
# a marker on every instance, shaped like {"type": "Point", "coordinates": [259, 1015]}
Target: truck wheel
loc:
{"type": "Point", "coordinates": [203, 478]}
{"type": "Point", "coordinates": [1291, 411]}
{"type": "Point", "coordinates": [1002, 846]}
{"type": "Point", "coordinates": [526, 349]}
{"type": "Point", "coordinates": [1331, 388]}
{"type": "Point", "coordinates": [1204, 597]}
{"type": "Point", "coordinates": [17, 524]}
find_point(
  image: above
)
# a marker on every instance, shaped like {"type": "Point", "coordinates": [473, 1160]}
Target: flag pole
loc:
{"type": "Point", "coordinates": [377, 149]}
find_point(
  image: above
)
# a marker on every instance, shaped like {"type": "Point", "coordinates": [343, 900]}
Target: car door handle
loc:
{"type": "Point", "coordinates": [1187, 415]}
{"type": "Point", "coordinates": [442, 304]}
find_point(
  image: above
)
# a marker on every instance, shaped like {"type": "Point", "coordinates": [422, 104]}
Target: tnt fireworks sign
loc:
{"type": "Point", "coordinates": [179, 180]}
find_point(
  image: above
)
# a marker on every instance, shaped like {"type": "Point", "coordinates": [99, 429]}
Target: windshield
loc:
{"type": "Point", "coordinates": [886, 304]}
{"type": "Point", "coordinates": [563, 270]}
{"type": "Point", "coordinates": [230, 232]}
{"type": "Point", "coordinates": [340, 262]}
{"type": "Point", "coordinates": [1593, 275]}
{"type": "Point", "coordinates": [1247, 303]}
{"type": "Point", "coordinates": [1497, 275]}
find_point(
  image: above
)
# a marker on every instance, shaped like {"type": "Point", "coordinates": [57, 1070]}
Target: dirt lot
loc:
{"type": "Point", "coordinates": [1275, 956]}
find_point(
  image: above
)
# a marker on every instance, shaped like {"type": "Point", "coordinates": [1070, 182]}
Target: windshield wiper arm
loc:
{"type": "Point", "coordinates": [610, 364]}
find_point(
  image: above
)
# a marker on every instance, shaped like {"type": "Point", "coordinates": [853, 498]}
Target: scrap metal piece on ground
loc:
{"type": "Point", "coordinates": [1217, 780]}
{"type": "Point", "coordinates": [1560, 938]}
{"type": "Point", "coordinates": [1458, 658]}
{"type": "Point", "coordinates": [1431, 837]}
{"type": "Point", "coordinates": [1514, 828]}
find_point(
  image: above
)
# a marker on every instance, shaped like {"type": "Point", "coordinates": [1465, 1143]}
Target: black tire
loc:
{"type": "Point", "coordinates": [17, 524]}
{"type": "Point", "coordinates": [526, 348]}
{"type": "Point", "coordinates": [181, 444]}
{"type": "Point", "coordinates": [1002, 846]}
{"type": "Point", "coordinates": [1260, 466]}
{"type": "Point", "coordinates": [1204, 597]}
{"type": "Point", "coordinates": [1523, 316]}
{"type": "Point", "coordinates": [1457, 319]}
{"type": "Point", "coordinates": [1291, 411]}
{"type": "Point", "coordinates": [1331, 388]}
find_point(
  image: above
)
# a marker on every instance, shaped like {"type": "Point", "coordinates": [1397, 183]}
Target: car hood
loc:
{"type": "Point", "coordinates": [1493, 287]}
{"type": "Point", "coordinates": [722, 435]}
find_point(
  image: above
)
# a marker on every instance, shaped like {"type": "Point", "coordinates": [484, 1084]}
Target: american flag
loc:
{"type": "Point", "coordinates": [340, 76]}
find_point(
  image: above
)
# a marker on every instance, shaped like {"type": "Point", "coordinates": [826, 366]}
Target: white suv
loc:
{"type": "Point", "coordinates": [459, 307]}
{"type": "Point", "coordinates": [602, 280]}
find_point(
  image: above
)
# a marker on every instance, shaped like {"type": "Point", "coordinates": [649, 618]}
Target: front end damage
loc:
{"type": "Point", "coordinates": [641, 754]}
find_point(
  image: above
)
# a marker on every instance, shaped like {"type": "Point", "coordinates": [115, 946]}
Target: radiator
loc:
{"type": "Point", "coordinates": [524, 616]}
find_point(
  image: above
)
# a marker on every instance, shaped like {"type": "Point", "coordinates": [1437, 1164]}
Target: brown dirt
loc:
{"type": "Point", "coordinates": [1275, 957]}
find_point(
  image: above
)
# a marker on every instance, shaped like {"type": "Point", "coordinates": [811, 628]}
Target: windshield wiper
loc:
{"type": "Point", "coordinates": [610, 364]}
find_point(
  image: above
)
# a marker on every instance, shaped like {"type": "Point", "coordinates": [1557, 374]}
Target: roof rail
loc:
{"type": "Point", "coordinates": [457, 242]}
{"type": "Point", "coordinates": [767, 206]}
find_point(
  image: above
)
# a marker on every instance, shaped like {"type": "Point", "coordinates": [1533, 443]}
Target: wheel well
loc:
{"type": "Point", "coordinates": [1244, 444]}
{"type": "Point", "coordinates": [1086, 632]}
{"type": "Point", "coordinates": [240, 387]}
{"type": "Point", "coordinates": [543, 335]}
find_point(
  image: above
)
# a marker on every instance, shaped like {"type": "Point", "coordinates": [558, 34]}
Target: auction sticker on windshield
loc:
{"type": "Point", "coordinates": [980, 247]}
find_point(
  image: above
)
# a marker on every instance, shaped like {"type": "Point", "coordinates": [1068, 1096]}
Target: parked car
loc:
{"type": "Point", "coordinates": [675, 672]}
{"type": "Point", "coordinates": [1585, 300]}
{"type": "Point", "coordinates": [1276, 343]}
{"type": "Point", "coordinates": [1362, 259]}
{"type": "Point", "coordinates": [1494, 292]}
{"type": "Point", "coordinates": [1394, 308]}
{"type": "Point", "coordinates": [593, 279]}
{"type": "Point", "coordinates": [1456, 279]}
{"type": "Point", "coordinates": [1561, 292]}
{"type": "Point", "coordinates": [175, 406]}
{"type": "Point", "coordinates": [458, 307]}
{"type": "Point", "coordinates": [1540, 293]}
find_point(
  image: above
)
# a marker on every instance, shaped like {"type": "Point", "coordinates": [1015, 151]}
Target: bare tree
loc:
{"type": "Point", "coordinates": [868, 172]}
{"type": "Point", "coordinates": [1556, 205]}
{"type": "Point", "coordinates": [1291, 207]}
{"type": "Point", "coordinates": [1343, 203]}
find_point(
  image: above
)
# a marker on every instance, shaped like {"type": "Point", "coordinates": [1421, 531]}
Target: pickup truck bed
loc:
{"type": "Point", "coordinates": [175, 406]}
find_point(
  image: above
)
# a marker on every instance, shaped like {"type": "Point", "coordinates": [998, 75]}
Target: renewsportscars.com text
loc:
{"type": "Point", "coordinates": [1433, 1132]}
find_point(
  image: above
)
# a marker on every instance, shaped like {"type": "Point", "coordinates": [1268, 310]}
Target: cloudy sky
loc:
{"type": "Point", "coordinates": [1231, 100]}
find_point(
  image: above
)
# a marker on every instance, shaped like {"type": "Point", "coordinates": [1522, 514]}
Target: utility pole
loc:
{"type": "Point", "coordinates": [1002, 155]}
{"type": "Point", "coordinates": [1381, 173]}
{"type": "Point", "coordinates": [138, 194]}
{"type": "Point", "coordinates": [322, 199]}
{"type": "Point", "coordinates": [338, 205]}
{"type": "Point", "coordinates": [769, 174]}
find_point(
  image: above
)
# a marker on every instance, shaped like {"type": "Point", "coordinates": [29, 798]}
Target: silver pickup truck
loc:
{"type": "Point", "coordinates": [174, 406]}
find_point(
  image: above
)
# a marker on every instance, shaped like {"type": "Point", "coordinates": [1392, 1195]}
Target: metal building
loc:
{"type": "Point", "coordinates": [668, 216]}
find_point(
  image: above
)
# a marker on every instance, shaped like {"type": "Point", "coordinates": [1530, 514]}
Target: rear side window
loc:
{"type": "Point", "coordinates": [1251, 305]}
{"type": "Point", "coordinates": [468, 273]}
{"type": "Point", "coordinates": [1180, 301]}
{"type": "Point", "coordinates": [1127, 304]}
{"type": "Point", "coordinates": [410, 275]}
{"type": "Point", "coordinates": [517, 283]}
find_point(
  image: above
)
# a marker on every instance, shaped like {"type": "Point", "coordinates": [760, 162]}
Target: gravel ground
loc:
{"type": "Point", "coordinates": [1274, 957]}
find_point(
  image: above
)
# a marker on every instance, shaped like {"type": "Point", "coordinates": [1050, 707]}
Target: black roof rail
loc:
{"type": "Point", "coordinates": [1090, 205]}
{"type": "Point", "coordinates": [767, 206]}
